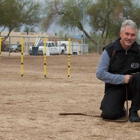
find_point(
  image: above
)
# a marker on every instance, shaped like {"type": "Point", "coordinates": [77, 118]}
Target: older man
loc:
{"type": "Point", "coordinates": [119, 68]}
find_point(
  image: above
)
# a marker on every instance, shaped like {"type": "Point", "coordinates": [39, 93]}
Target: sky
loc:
{"type": "Point", "coordinates": [56, 29]}
{"type": "Point", "coordinates": [52, 30]}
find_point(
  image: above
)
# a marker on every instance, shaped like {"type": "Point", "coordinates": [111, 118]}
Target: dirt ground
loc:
{"type": "Point", "coordinates": [30, 105]}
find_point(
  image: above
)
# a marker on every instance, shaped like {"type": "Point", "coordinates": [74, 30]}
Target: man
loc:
{"type": "Point", "coordinates": [119, 68]}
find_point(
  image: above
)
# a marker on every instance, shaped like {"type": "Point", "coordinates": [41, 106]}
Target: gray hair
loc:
{"type": "Point", "coordinates": [130, 23]}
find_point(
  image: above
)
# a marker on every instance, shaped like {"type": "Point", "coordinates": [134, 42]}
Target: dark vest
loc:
{"type": "Point", "coordinates": [122, 61]}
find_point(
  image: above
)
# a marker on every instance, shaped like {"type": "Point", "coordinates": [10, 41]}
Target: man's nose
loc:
{"type": "Point", "coordinates": [129, 36]}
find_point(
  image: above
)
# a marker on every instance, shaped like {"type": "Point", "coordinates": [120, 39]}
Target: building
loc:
{"type": "Point", "coordinates": [29, 39]}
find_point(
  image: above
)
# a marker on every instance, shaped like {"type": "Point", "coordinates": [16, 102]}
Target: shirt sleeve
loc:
{"type": "Point", "coordinates": [103, 74]}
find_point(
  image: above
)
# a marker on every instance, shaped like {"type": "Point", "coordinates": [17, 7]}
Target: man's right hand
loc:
{"type": "Point", "coordinates": [127, 78]}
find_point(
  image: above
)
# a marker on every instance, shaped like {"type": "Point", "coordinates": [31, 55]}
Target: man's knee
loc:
{"type": "Point", "coordinates": [110, 115]}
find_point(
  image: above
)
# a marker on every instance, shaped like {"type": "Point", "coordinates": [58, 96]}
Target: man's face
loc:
{"type": "Point", "coordinates": [128, 36]}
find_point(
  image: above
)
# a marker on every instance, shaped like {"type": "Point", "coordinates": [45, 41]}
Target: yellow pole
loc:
{"type": "Point", "coordinates": [22, 57]}
{"type": "Point", "coordinates": [45, 57]}
{"type": "Point", "coordinates": [0, 48]}
{"type": "Point", "coordinates": [69, 57]}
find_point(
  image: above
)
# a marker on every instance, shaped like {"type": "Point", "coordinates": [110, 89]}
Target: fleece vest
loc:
{"type": "Point", "coordinates": [123, 61]}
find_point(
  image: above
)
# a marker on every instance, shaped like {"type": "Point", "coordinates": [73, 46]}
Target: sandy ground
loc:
{"type": "Point", "coordinates": [30, 105]}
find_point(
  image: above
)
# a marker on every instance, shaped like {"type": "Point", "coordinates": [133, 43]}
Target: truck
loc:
{"type": "Point", "coordinates": [75, 47]}
{"type": "Point", "coordinates": [51, 48]}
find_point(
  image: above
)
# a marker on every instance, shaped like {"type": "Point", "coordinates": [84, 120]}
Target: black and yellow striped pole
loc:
{"type": "Point", "coordinates": [22, 57]}
{"type": "Point", "coordinates": [45, 57]}
{"type": "Point", "coordinates": [0, 48]}
{"type": "Point", "coordinates": [69, 42]}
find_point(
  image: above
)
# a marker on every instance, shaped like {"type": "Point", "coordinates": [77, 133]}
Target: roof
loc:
{"type": "Point", "coordinates": [30, 34]}
{"type": "Point", "coordinates": [77, 36]}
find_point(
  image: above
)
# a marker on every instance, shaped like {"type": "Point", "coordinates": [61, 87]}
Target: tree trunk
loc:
{"type": "Point", "coordinates": [87, 35]}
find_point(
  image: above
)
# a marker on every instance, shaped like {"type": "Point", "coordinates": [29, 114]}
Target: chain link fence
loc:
{"type": "Point", "coordinates": [77, 45]}
{"type": "Point", "coordinates": [84, 45]}
{"type": "Point", "coordinates": [100, 44]}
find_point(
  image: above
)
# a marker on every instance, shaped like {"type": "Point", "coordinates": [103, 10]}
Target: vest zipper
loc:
{"type": "Point", "coordinates": [126, 52]}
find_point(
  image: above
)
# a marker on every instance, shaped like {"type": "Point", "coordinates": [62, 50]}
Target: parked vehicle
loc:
{"type": "Point", "coordinates": [75, 47]}
{"type": "Point", "coordinates": [15, 48]}
{"type": "Point", "coordinates": [53, 49]}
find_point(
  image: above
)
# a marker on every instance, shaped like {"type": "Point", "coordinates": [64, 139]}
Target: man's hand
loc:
{"type": "Point", "coordinates": [127, 78]}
